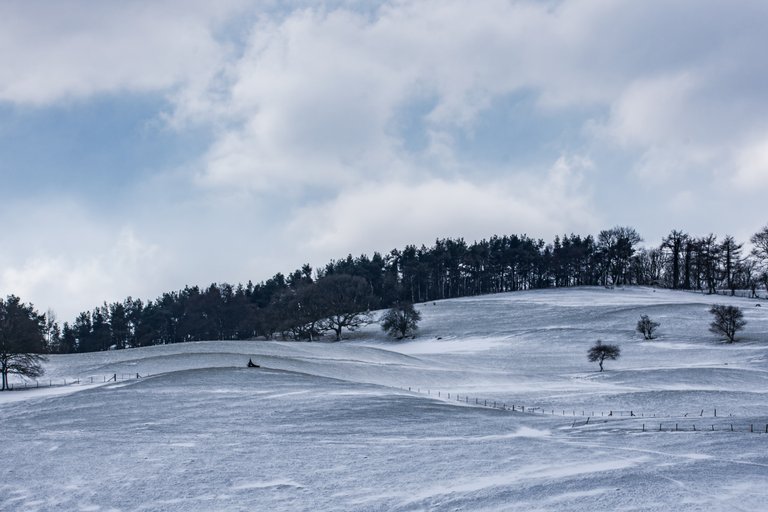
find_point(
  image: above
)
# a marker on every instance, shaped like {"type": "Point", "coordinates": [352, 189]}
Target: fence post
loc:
{"type": "Point", "coordinates": [643, 427]}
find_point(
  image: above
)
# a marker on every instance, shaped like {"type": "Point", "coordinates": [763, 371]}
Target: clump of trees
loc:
{"type": "Point", "coordinates": [727, 321]}
{"type": "Point", "coordinates": [295, 306]}
{"type": "Point", "coordinates": [599, 353]}
{"type": "Point", "coordinates": [21, 340]}
{"type": "Point", "coordinates": [401, 321]}
{"type": "Point", "coordinates": [647, 327]}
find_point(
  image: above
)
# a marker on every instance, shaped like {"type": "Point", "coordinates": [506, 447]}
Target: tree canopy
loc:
{"type": "Point", "coordinates": [599, 353]}
{"type": "Point", "coordinates": [302, 305]}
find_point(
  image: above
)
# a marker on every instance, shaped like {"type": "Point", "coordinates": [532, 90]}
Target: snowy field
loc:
{"type": "Point", "coordinates": [333, 426]}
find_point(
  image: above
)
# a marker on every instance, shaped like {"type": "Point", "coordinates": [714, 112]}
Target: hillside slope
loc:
{"type": "Point", "coordinates": [330, 426]}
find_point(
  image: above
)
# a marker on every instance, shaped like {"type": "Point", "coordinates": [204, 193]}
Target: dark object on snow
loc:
{"type": "Point", "coordinates": [647, 327]}
{"type": "Point", "coordinates": [251, 364]}
{"type": "Point", "coordinates": [401, 321]}
{"type": "Point", "coordinates": [728, 320]}
{"type": "Point", "coordinates": [758, 306]}
{"type": "Point", "coordinates": [599, 353]}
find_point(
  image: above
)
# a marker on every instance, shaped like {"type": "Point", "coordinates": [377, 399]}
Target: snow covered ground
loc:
{"type": "Point", "coordinates": [333, 426]}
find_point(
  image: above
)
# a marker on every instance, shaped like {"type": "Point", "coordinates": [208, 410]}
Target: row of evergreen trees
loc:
{"type": "Point", "coordinates": [306, 304]}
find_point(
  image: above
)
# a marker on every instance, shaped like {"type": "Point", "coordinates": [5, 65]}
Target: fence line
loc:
{"type": "Point", "coordinates": [62, 382]}
{"type": "Point", "coordinates": [592, 418]}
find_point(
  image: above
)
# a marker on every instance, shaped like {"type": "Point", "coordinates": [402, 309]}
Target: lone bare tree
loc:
{"type": "Point", "coordinates": [728, 320]}
{"type": "Point", "coordinates": [347, 300]}
{"type": "Point", "coordinates": [21, 340]}
{"type": "Point", "coordinates": [401, 320]}
{"type": "Point", "coordinates": [647, 327]}
{"type": "Point", "coordinates": [599, 353]}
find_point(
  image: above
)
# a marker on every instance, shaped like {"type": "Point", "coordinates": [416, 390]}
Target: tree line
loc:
{"type": "Point", "coordinates": [309, 303]}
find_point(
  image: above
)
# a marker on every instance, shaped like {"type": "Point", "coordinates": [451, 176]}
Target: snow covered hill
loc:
{"type": "Point", "coordinates": [334, 426]}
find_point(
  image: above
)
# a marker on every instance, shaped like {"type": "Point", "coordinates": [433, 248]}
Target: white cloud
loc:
{"type": "Point", "coordinates": [751, 167]}
{"type": "Point", "coordinates": [312, 98]}
{"type": "Point", "coordinates": [307, 100]}
{"type": "Point", "coordinates": [55, 51]}
{"type": "Point", "coordinates": [70, 280]}
{"type": "Point", "coordinates": [386, 215]}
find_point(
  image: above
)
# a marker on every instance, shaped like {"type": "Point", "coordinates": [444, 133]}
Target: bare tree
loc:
{"type": "Point", "coordinates": [760, 250]}
{"type": "Point", "coordinates": [599, 353]}
{"type": "Point", "coordinates": [728, 320]}
{"type": "Point", "coordinates": [21, 340]}
{"type": "Point", "coordinates": [347, 300]}
{"type": "Point", "coordinates": [760, 242]}
{"type": "Point", "coordinates": [647, 327]}
{"type": "Point", "coordinates": [401, 320]}
{"type": "Point", "coordinates": [617, 245]}
{"type": "Point", "coordinates": [730, 252]}
{"type": "Point", "coordinates": [675, 242]}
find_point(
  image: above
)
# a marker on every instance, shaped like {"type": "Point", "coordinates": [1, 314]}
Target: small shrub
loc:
{"type": "Point", "coordinates": [728, 320]}
{"type": "Point", "coordinates": [647, 327]}
{"type": "Point", "coordinates": [401, 320]}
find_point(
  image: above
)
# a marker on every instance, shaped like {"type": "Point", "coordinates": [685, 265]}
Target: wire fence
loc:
{"type": "Point", "coordinates": [707, 420]}
{"type": "Point", "coordinates": [63, 381]}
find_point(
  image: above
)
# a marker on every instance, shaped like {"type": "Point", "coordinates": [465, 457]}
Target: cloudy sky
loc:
{"type": "Point", "coordinates": [146, 145]}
